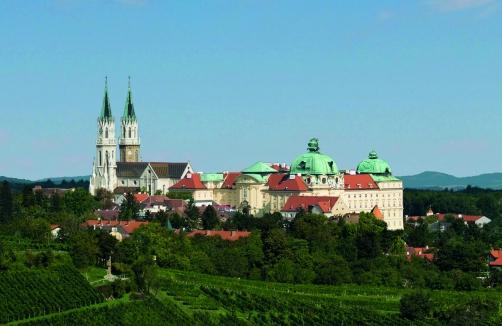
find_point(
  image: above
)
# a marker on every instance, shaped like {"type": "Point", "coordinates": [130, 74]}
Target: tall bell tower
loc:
{"type": "Point", "coordinates": [129, 142]}
{"type": "Point", "coordinates": [105, 167]}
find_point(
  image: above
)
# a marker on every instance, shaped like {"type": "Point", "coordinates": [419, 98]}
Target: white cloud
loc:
{"type": "Point", "coordinates": [456, 5]}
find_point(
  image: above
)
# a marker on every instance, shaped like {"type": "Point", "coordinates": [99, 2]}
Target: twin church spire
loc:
{"type": "Point", "coordinates": [129, 141]}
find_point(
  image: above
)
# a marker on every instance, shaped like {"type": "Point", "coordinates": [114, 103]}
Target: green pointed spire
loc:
{"type": "Point", "coordinates": [106, 109]}
{"type": "Point", "coordinates": [129, 106]}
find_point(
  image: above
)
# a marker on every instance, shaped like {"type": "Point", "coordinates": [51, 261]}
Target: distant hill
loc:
{"type": "Point", "coordinates": [58, 180]}
{"type": "Point", "coordinates": [438, 180]}
{"type": "Point", "coordinates": [14, 180]}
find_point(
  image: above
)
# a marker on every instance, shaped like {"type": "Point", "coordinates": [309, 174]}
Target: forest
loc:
{"type": "Point", "coordinates": [311, 251]}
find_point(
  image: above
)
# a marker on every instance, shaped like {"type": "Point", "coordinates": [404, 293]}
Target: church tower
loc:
{"type": "Point", "coordinates": [104, 168]}
{"type": "Point", "coordinates": [129, 142]}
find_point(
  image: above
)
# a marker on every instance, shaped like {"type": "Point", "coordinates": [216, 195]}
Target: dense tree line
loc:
{"type": "Point", "coordinates": [469, 201]}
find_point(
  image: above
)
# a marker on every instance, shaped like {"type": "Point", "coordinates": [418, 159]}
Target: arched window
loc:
{"type": "Point", "coordinates": [106, 157]}
{"type": "Point", "coordinates": [100, 159]}
{"type": "Point", "coordinates": [129, 132]}
{"type": "Point", "coordinates": [134, 133]}
{"type": "Point", "coordinates": [106, 133]}
{"type": "Point", "coordinates": [245, 194]}
{"type": "Point", "coordinates": [123, 132]}
{"type": "Point", "coordinates": [122, 156]}
{"type": "Point", "coordinates": [136, 156]}
{"type": "Point", "coordinates": [113, 154]}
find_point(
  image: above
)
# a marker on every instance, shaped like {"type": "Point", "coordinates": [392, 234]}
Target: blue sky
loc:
{"type": "Point", "coordinates": [227, 83]}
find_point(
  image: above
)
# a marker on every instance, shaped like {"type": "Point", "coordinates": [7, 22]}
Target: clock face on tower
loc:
{"type": "Point", "coordinates": [129, 152]}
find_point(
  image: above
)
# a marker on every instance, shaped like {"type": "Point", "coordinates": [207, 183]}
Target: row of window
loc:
{"type": "Point", "coordinates": [354, 205]}
{"type": "Point", "coordinates": [376, 195]}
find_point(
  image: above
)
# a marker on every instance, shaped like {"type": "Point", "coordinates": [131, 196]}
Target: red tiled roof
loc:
{"type": "Point", "coordinates": [155, 199]}
{"type": "Point", "coordinates": [376, 211]}
{"type": "Point", "coordinates": [326, 203]}
{"type": "Point", "coordinates": [190, 181]}
{"type": "Point", "coordinates": [176, 203]}
{"type": "Point", "coordinates": [283, 182]}
{"type": "Point", "coordinates": [129, 227]}
{"type": "Point", "coordinates": [280, 168]}
{"type": "Point", "coordinates": [225, 235]}
{"type": "Point", "coordinates": [229, 180]}
{"type": "Point", "coordinates": [54, 226]}
{"type": "Point", "coordinates": [497, 255]}
{"type": "Point", "coordinates": [140, 197]}
{"type": "Point", "coordinates": [440, 217]}
{"type": "Point", "coordinates": [359, 181]}
{"type": "Point", "coordinates": [419, 252]}
{"type": "Point", "coordinates": [108, 214]}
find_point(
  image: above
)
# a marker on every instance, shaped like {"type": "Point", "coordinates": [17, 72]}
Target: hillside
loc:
{"type": "Point", "coordinates": [56, 180]}
{"type": "Point", "coordinates": [438, 180]}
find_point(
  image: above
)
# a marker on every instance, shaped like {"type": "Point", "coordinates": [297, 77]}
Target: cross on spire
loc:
{"type": "Point", "coordinates": [129, 83]}
{"type": "Point", "coordinates": [106, 80]}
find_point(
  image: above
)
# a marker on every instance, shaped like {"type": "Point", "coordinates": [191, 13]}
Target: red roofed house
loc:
{"type": "Point", "coordinates": [192, 183]}
{"type": "Point", "coordinates": [225, 235]}
{"type": "Point", "coordinates": [495, 259]}
{"type": "Point", "coordinates": [477, 219]}
{"type": "Point", "coordinates": [327, 205]}
{"type": "Point", "coordinates": [419, 252]}
{"type": "Point", "coordinates": [120, 229]}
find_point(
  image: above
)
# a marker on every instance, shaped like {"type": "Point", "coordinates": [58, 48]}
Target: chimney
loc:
{"type": "Point", "coordinates": [232, 233]}
{"type": "Point", "coordinates": [127, 223]}
{"type": "Point", "coordinates": [94, 226]}
{"type": "Point", "coordinates": [109, 222]}
{"type": "Point", "coordinates": [100, 222]}
{"type": "Point", "coordinates": [208, 232]}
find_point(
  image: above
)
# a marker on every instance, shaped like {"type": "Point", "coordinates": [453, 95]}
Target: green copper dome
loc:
{"type": "Point", "coordinates": [373, 165]}
{"type": "Point", "coordinates": [314, 162]}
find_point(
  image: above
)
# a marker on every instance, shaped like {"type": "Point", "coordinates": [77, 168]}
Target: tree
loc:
{"type": "Point", "coordinates": [55, 203]}
{"type": "Point", "coordinates": [129, 209]}
{"type": "Point", "coordinates": [210, 218]}
{"type": "Point", "coordinates": [28, 196]}
{"type": "Point", "coordinates": [415, 306]}
{"type": "Point", "coordinates": [6, 203]}
{"type": "Point", "coordinates": [79, 201]}
{"type": "Point", "coordinates": [192, 215]}
{"type": "Point", "coordinates": [185, 195]}
{"type": "Point", "coordinates": [85, 250]}
{"type": "Point", "coordinates": [104, 196]}
{"type": "Point", "coordinates": [177, 221]}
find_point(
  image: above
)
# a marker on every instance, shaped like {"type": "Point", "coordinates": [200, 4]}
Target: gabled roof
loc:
{"type": "Point", "coordinates": [419, 252]}
{"type": "Point", "coordinates": [169, 169]}
{"type": "Point", "coordinates": [176, 203]}
{"type": "Point", "coordinates": [131, 169]}
{"type": "Point", "coordinates": [190, 181]}
{"type": "Point", "coordinates": [259, 167]}
{"type": "Point", "coordinates": [286, 182]}
{"type": "Point", "coordinates": [497, 257]}
{"type": "Point", "coordinates": [128, 226]}
{"type": "Point", "coordinates": [359, 181]}
{"type": "Point", "coordinates": [229, 180]}
{"type": "Point", "coordinates": [293, 203]}
{"type": "Point", "coordinates": [376, 211]}
{"type": "Point", "coordinates": [225, 235]}
{"type": "Point", "coordinates": [108, 214]}
{"type": "Point", "coordinates": [160, 199]}
{"type": "Point", "coordinates": [280, 167]}
{"type": "Point", "coordinates": [440, 217]}
{"type": "Point", "coordinates": [140, 197]}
